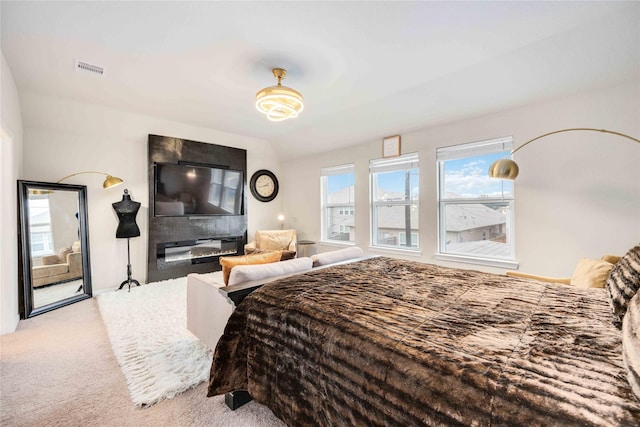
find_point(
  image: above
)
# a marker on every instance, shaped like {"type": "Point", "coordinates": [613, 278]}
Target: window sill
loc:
{"type": "Point", "coordinates": [500, 263]}
{"type": "Point", "coordinates": [336, 243]}
{"type": "Point", "coordinates": [408, 252]}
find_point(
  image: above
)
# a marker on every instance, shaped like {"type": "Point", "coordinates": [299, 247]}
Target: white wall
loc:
{"type": "Point", "coordinates": [63, 137]}
{"type": "Point", "coordinates": [578, 194]}
{"type": "Point", "coordinates": [10, 171]}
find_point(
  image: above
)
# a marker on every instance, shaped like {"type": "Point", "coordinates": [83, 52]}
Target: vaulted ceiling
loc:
{"type": "Point", "coordinates": [365, 69]}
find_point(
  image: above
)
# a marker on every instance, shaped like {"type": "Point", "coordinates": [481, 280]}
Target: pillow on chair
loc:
{"type": "Point", "coordinates": [284, 255]}
{"type": "Point", "coordinates": [623, 283]}
{"type": "Point", "coordinates": [228, 262]}
{"type": "Point", "coordinates": [613, 259]}
{"type": "Point", "coordinates": [273, 240]}
{"type": "Point", "coordinates": [591, 273]}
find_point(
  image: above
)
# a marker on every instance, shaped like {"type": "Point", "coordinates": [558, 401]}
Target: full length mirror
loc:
{"type": "Point", "coordinates": [54, 246]}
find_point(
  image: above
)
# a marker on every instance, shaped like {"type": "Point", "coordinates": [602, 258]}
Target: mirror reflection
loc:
{"type": "Point", "coordinates": [56, 252]}
{"type": "Point", "coordinates": [54, 246]}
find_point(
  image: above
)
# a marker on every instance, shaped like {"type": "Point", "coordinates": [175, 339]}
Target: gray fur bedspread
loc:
{"type": "Point", "coordinates": [386, 342]}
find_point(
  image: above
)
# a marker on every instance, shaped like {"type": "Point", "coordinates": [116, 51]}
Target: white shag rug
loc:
{"type": "Point", "coordinates": [147, 328]}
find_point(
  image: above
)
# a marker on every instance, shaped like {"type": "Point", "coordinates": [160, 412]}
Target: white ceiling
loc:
{"type": "Point", "coordinates": [366, 69]}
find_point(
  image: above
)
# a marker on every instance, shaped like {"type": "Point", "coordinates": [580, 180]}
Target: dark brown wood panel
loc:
{"type": "Point", "coordinates": [164, 149]}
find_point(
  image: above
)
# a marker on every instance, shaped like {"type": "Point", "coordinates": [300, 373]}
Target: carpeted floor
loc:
{"type": "Point", "coordinates": [58, 369]}
{"type": "Point", "coordinates": [47, 294]}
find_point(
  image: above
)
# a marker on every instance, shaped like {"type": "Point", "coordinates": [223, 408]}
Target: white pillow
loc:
{"type": "Point", "coordinates": [336, 256]}
{"type": "Point", "coordinates": [251, 272]}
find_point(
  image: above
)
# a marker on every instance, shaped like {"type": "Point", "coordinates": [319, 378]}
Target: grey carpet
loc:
{"type": "Point", "coordinates": [58, 369]}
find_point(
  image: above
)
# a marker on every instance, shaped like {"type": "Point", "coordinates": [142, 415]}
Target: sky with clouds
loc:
{"type": "Point", "coordinates": [469, 177]}
{"type": "Point", "coordinates": [464, 178]}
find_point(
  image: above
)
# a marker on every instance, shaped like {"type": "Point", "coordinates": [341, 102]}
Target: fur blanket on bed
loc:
{"type": "Point", "coordinates": [392, 342]}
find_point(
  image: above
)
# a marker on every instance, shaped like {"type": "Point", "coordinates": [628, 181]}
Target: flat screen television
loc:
{"type": "Point", "coordinates": [192, 190]}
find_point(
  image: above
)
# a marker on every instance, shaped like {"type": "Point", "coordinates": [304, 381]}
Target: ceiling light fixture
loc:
{"type": "Point", "coordinates": [508, 169]}
{"type": "Point", "coordinates": [279, 102]}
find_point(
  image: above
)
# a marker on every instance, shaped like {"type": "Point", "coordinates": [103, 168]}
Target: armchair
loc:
{"type": "Point", "coordinates": [273, 240]}
{"type": "Point", "coordinates": [66, 265]}
{"type": "Point", "coordinates": [589, 273]}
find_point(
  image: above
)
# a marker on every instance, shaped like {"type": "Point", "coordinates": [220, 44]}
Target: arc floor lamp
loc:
{"type": "Point", "coordinates": [110, 181]}
{"type": "Point", "coordinates": [508, 169]}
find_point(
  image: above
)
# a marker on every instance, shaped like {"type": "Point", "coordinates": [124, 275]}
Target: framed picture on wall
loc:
{"type": "Point", "coordinates": [391, 146]}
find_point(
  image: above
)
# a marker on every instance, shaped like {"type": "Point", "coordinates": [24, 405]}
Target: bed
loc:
{"type": "Point", "coordinates": [386, 342]}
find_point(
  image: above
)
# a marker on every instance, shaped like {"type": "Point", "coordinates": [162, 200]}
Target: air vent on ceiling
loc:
{"type": "Point", "coordinates": [85, 67]}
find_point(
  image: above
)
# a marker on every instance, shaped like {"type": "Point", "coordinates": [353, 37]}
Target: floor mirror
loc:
{"type": "Point", "coordinates": [53, 245]}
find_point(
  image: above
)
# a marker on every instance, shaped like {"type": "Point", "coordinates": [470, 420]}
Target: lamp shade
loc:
{"type": "Point", "coordinates": [504, 169]}
{"type": "Point", "coordinates": [111, 181]}
{"type": "Point", "coordinates": [508, 169]}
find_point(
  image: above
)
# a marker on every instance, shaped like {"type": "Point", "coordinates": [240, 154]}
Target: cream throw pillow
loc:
{"type": "Point", "coordinates": [273, 240]}
{"type": "Point", "coordinates": [591, 273]}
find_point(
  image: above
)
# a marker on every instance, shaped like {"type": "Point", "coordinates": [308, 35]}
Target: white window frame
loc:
{"type": "Point", "coordinates": [462, 151]}
{"type": "Point", "coordinates": [344, 209]}
{"type": "Point", "coordinates": [405, 162]}
{"type": "Point", "coordinates": [43, 228]}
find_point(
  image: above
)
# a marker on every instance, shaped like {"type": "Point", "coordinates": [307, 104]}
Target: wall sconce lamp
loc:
{"type": "Point", "coordinates": [508, 169]}
{"type": "Point", "coordinates": [110, 181]}
{"type": "Point", "coordinates": [281, 219]}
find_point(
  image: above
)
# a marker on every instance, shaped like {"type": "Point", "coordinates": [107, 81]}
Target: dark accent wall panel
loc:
{"type": "Point", "coordinates": [163, 149]}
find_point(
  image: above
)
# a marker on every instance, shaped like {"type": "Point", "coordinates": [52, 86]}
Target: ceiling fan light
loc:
{"type": "Point", "coordinates": [279, 102]}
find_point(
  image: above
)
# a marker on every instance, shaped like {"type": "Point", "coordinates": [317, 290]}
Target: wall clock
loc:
{"type": "Point", "coordinates": [264, 185]}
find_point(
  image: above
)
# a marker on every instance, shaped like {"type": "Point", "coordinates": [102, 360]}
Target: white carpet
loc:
{"type": "Point", "coordinates": [147, 328]}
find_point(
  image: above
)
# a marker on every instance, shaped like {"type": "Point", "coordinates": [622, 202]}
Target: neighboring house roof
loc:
{"type": "Point", "coordinates": [41, 218]}
{"type": "Point", "coordinates": [343, 220]}
{"type": "Point", "coordinates": [346, 196]}
{"type": "Point", "coordinates": [481, 248]}
{"type": "Point", "coordinates": [394, 217]}
{"type": "Point", "coordinates": [459, 217]}
{"type": "Point", "coordinates": [468, 217]}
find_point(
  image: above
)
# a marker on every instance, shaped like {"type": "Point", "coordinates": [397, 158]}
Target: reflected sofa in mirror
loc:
{"type": "Point", "coordinates": [53, 246]}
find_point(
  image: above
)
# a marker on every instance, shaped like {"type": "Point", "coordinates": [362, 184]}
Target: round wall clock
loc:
{"type": "Point", "coordinates": [264, 185]}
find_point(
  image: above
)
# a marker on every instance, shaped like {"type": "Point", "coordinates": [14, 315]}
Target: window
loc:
{"type": "Point", "coordinates": [476, 212]}
{"type": "Point", "coordinates": [394, 202]}
{"type": "Point", "coordinates": [40, 226]}
{"type": "Point", "coordinates": [338, 204]}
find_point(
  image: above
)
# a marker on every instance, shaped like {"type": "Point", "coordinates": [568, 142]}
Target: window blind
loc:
{"type": "Point", "coordinates": [478, 148]}
{"type": "Point", "coordinates": [337, 170]}
{"type": "Point", "coordinates": [406, 161]}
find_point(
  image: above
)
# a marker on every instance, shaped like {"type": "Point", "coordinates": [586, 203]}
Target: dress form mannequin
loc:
{"type": "Point", "coordinates": [127, 209]}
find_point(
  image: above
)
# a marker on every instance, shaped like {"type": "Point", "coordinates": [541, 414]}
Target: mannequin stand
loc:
{"type": "Point", "coordinates": [129, 280]}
